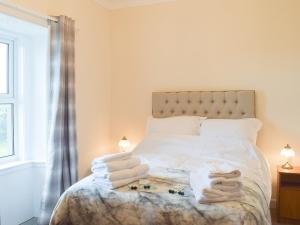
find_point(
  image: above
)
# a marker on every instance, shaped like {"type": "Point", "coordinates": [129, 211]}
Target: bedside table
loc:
{"type": "Point", "coordinates": [288, 194]}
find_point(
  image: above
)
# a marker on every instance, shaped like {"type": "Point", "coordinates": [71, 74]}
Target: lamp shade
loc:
{"type": "Point", "coordinates": [287, 152]}
{"type": "Point", "coordinates": [124, 143]}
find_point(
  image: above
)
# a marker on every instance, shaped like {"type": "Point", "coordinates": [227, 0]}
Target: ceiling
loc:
{"type": "Point", "coordinates": [116, 4]}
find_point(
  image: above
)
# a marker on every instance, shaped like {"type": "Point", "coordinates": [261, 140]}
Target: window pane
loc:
{"type": "Point", "coordinates": [3, 68]}
{"type": "Point", "coordinates": [6, 130]}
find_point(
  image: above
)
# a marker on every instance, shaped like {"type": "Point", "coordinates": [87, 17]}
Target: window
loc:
{"type": "Point", "coordinates": [23, 90]}
{"type": "Point", "coordinates": [7, 98]}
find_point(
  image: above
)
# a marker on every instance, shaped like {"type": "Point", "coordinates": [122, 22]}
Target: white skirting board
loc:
{"type": "Point", "coordinates": [32, 221]}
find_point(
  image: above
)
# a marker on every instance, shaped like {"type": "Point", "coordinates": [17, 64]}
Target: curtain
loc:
{"type": "Point", "coordinates": [61, 170]}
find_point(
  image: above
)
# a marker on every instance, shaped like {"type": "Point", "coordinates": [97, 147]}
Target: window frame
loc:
{"type": "Point", "coordinates": [10, 98]}
{"type": "Point", "coordinates": [10, 43]}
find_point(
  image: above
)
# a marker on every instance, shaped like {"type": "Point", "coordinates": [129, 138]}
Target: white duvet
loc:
{"type": "Point", "coordinates": [193, 152]}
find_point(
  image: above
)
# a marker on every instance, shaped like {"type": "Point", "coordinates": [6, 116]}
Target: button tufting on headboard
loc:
{"type": "Point", "coordinates": [212, 104]}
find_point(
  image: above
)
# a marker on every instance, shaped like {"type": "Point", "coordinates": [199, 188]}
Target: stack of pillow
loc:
{"type": "Point", "coordinates": [177, 125]}
{"type": "Point", "coordinates": [245, 129]}
{"type": "Point", "coordinates": [117, 170]}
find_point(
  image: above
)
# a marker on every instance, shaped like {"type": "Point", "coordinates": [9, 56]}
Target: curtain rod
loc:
{"type": "Point", "coordinates": [27, 11]}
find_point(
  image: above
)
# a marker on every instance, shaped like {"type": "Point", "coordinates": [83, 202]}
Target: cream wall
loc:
{"type": "Point", "coordinates": [124, 55]}
{"type": "Point", "coordinates": [210, 45]}
{"type": "Point", "coordinates": [92, 72]}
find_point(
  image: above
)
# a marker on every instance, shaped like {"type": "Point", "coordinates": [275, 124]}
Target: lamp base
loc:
{"type": "Point", "coordinates": [287, 166]}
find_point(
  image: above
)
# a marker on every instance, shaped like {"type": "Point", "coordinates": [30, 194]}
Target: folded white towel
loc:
{"type": "Point", "coordinates": [118, 183]}
{"type": "Point", "coordinates": [112, 157]}
{"type": "Point", "coordinates": [205, 200]}
{"type": "Point", "coordinates": [122, 174]}
{"type": "Point", "coordinates": [106, 167]}
{"type": "Point", "coordinates": [219, 189]}
{"type": "Point", "coordinates": [213, 193]}
{"type": "Point", "coordinates": [224, 184]}
{"type": "Point", "coordinates": [228, 174]}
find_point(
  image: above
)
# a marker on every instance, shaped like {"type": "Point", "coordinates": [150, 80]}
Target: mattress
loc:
{"type": "Point", "coordinates": [171, 159]}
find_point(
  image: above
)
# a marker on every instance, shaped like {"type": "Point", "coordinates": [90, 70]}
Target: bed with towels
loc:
{"type": "Point", "coordinates": [187, 170]}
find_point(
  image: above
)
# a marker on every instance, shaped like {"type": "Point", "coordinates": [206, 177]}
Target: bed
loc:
{"type": "Point", "coordinates": [172, 157]}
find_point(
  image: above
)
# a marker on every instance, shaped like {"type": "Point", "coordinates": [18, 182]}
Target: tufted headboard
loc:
{"type": "Point", "coordinates": [210, 104]}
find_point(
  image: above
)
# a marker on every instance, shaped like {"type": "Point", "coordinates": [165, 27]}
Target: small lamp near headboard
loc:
{"type": "Point", "coordinates": [287, 152]}
{"type": "Point", "coordinates": [124, 144]}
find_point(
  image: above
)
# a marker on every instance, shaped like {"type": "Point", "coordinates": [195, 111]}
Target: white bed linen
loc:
{"type": "Point", "coordinates": [189, 153]}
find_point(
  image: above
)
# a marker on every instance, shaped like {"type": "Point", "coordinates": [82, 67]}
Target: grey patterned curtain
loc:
{"type": "Point", "coordinates": [62, 164]}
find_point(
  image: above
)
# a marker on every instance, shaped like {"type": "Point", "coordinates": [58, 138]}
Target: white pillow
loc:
{"type": "Point", "coordinates": [186, 125]}
{"type": "Point", "coordinates": [232, 128]}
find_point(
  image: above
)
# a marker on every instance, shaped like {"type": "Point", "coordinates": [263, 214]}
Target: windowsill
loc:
{"type": "Point", "coordinates": [20, 165]}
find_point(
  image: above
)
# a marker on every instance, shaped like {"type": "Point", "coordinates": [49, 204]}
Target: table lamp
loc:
{"type": "Point", "coordinates": [124, 144]}
{"type": "Point", "coordinates": [287, 152]}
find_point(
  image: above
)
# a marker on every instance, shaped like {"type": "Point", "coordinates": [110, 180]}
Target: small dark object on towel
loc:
{"type": "Point", "coordinates": [181, 193]}
{"type": "Point", "coordinates": [174, 192]}
{"type": "Point", "coordinates": [133, 187]}
{"type": "Point", "coordinates": [171, 191]}
{"type": "Point", "coordinates": [147, 186]}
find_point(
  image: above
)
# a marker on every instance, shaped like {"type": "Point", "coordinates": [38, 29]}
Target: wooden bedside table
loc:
{"type": "Point", "coordinates": [288, 194]}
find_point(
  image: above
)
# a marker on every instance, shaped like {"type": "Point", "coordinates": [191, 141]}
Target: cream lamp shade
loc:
{"type": "Point", "coordinates": [124, 144]}
{"type": "Point", "coordinates": [287, 152]}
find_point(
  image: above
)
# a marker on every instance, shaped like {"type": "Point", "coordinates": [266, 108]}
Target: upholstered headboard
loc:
{"type": "Point", "coordinates": [211, 104]}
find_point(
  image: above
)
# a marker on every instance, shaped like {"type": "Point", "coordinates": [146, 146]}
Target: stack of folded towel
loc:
{"type": "Point", "coordinates": [116, 170]}
{"type": "Point", "coordinates": [210, 187]}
